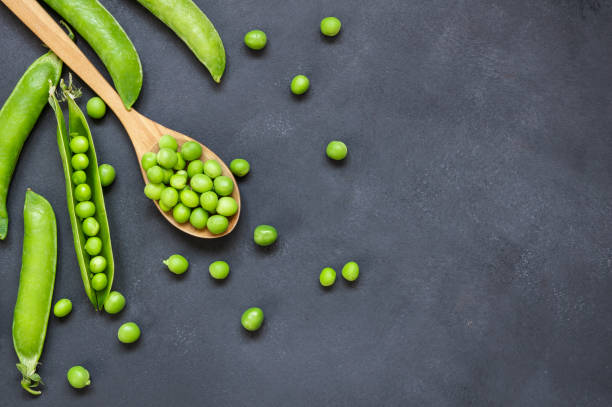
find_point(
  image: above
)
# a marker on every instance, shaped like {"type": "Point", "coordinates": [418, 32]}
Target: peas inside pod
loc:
{"type": "Point", "coordinates": [193, 190]}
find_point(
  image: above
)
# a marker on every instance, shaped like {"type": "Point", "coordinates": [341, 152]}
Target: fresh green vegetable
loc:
{"type": "Point", "coordinates": [18, 116]}
{"type": "Point", "coordinates": [128, 333]}
{"type": "Point", "coordinates": [79, 177]}
{"type": "Point", "coordinates": [227, 206]}
{"type": "Point", "coordinates": [177, 264]}
{"type": "Point", "coordinates": [194, 28]}
{"type": "Point", "coordinates": [36, 281]}
{"type": "Point", "coordinates": [79, 144]}
{"type": "Point", "coordinates": [148, 160]}
{"type": "Point", "coordinates": [180, 162]}
{"type": "Point", "coordinates": [255, 39]}
{"type": "Point", "coordinates": [189, 198]}
{"type": "Point", "coordinates": [99, 281]}
{"type": "Point", "coordinates": [178, 181]}
{"type": "Point", "coordinates": [212, 168]}
{"type": "Point", "coordinates": [62, 308]}
{"type": "Point", "coordinates": [191, 150]}
{"type": "Point", "coordinates": [82, 192]}
{"type": "Point", "coordinates": [97, 264]}
{"type": "Point", "coordinates": [219, 270]}
{"type": "Point", "coordinates": [155, 174]}
{"type": "Point", "coordinates": [95, 225]}
{"type": "Point", "coordinates": [223, 185]}
{"type": "Point", "coordinates": [299, 84]}
{"type": "Point", "coordinates": [169, 197]}
{"type": "Point", "coordinates": [78, 377]}
{"type": "Point", "coordinates": [240, 167]}
{"type": "Point", "coordinates": [181, 213]}
{"type": "Point", "coordinates": [327, 277]}
{"type": "Point", "coordinates": [198, 218]}
{"type": "Point", "coordinates": [167, 141]}
{"type": "Point", "coordinates": [201, 183]}
{"type": "Point", "coordinates": [104, 34]}
{"type": "Point", "coordinates": [350, 271]}
{"type": "Point", "coordinates": [154, 191]}
{"type": "Point", "coordinates": [265, 235]}
{"type": "Point", "coordinates": [167, 157]}
{"type": "Point", "coordinates": [336, 150]}
{"type": "Point", "coordinates": [96, 108]}
{"type": "Point", "coordinates": [195, 167]}
{"type": "Point", "coordinates": [217, 224]}
{"type": "Point", "coordinates": [115, 302]}
{"type": "Point", "coordinates": [79, 161]}
{"type": "Point", "coordinates": [252, 319]}
{"type": "Point", "coordinates": [209, 201]}
{"type": "Point", "coordinates": [107, 174]}
{"type": "Point", "coordinates": [330, 26]}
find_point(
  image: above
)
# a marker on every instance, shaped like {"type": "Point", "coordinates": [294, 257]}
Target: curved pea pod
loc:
{"type": "Point", "coordinates": [17, 118]}
{"type": "Point", "coordinates": [109, 41]}
{"type": "Point", "coordinates": [36, 281]}
{"type": "Point", "coordinates": [192, 26]}
{"type": "Point", "coordinates": [77, 126]}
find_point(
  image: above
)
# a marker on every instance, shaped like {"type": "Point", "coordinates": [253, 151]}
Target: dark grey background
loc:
{"type": "Point", "coordinates": [476, 199]}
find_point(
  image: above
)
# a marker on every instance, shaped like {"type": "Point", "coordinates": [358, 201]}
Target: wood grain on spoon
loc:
{"type": "Point", "coordinates": [143, 132]}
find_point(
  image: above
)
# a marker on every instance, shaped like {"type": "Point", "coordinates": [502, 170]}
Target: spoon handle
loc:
{"type": "Point", "coordinates": [40, 23]}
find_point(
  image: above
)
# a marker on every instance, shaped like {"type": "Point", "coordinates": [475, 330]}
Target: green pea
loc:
{"type": "Point", "coordinates": [327, 277]}
{"type": "Point", "coordinates": [255, 39]}
{"type": "Point", "coordinates": [155, 174]}
{"type": "Point", "coordinates": [330, 26]}
{"type": "Point", "coordinates": [350, 271]}
{"type": "Point", "coordinates": [79, 177]}
{"type": "Point", "coordinates": [227, 206]}
{"type": "Point", "coordinates": [252, 319]}
{"type": "Point", "coordinates": [62, 308]}
{"type": "Point", "coordinates": [79, 161]}
{"type": "Point", "coordinates": [265, 235]}
{"type": "Point", "coordinates": [148, 160]}
{"type": "Point", "coordinates": [212, 168]}
{"type": "Point", "coordinates": [93, 246]}
{"type": "Point", "coordinates": [168, 173]}
{"type": "Point", "coordinates": [163, 207]}
{"type": "Point", "coordinates": [96, 108]}
{"type": "Point", "coordinates": [128, 333]}
{"type": "Point", "coordinates": [195, 167]}
{"type": "Point", "coordinates": [97, 264]}
{"type": "Point", "coordinates": [90, 226]}
{"type": "Point", "coordinates": [208, 201]}
{"type": "Point", "coordinates": [78, 377]}
{"type": "Point", "coordinates": [240, 167]}
{"type": "Point", "coordinates": [85, 209]}
{"type": "Point", "coordinates": [181, 213]}
{"type": "Point", "coordinates": [178, 181]}
{"type": "Point", "coordinates": [82, 192]}
{"type": "Point", "coordinates": [180, 162]}
{"type": "Point", "coordinates": [201, 183]}
{"type": "Point", "coordinates": [198, 218]}
{"type": "Point", "coordinates": [167, 141]}
{"type": "Point", "coordinates": [189, 198]}
{"type": "Point", "coordinates": [177, 264]}
{"type": "Point", "coordinates": [217, 224]}
{"type": "Point", "coordinates": [223, 185]}
{"type": "Point", "coordinates": [99, 281]}
{"type": "Point", "coordinates": [79, 144]}
{"type": "Point", "coordinates": [191, 150]}
{"type": "Point", "coordinates": [299, 84]}
{"type": "Point", "coordinates": [336, 150]}
{"type": "Point", "coordinates": [167, 158]}
{"type": "Point", "coordinates": [115, 302]}
{"type": "Point", "coordinates": [169, 197]}
{"type": "Point", "coordinates": [107, 174]}
{"type": "Point", "coordinates": [219, 270]}
{"type": "Point", "coordinates": [153, 191]}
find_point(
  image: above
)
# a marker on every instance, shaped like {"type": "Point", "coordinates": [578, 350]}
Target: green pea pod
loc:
{"type": "Point", "coordinates": [17, 118]}
{"type": "Point", "coordinates": [108, 39]}
{"type": "Point", "coordinates": [192, 26]}
{"type": "Point", "coordinates": [77, 126]}
{"type": "Point", "coordinates": [36, 281]}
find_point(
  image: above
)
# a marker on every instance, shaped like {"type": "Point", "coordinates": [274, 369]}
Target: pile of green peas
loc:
{"type": "Point", "coordinates": [85, 209]}
{"type": "Point", "coordinates": [194, 190]}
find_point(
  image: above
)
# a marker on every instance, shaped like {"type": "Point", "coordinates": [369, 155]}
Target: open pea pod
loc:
{"type": "Point", "coordinates": [77, 126]}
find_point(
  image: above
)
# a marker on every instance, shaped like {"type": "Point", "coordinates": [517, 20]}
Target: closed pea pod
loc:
{"type": "Point", "coordinates": [18, 116]}
{"type": "Point", "coordinates": [36, 283]}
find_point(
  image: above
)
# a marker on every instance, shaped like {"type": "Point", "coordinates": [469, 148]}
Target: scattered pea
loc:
{"type": "Point", "coordinates": [177, 264]}
{"type": "Point", "coordinates": [327, 277]}
{"type": "Point", "coordinates": [128, 333]}
{"type": "Point", "coordinates": [240, 167]}
{"type": "Point", "coordinates": [255, 39]}
{"type": "Point", "coordinates": [252, 319]}
{"type": "Point", "coordinates": [115, 302]}
{"type": "Point", "coordinates": [107, 174]}
{"type": "Point", "coordinates": [96, 108]}
{"type": "Point", "coordinates": [265, 235]}
{"type": "Point", "coordinates": [78, 377]}
{"type": "Point", "coordinates": [336, 150]}
{"type": "Point", "coordinates": [330, 26]}
{"type": "Point", "coordinates": [299, 84]}
{"type": "Point", "coordinates": [350, 271]}
{"type": "Point", "coordinates": [62, 308]}
{"type": "Point", "coordinates": [219, 270]}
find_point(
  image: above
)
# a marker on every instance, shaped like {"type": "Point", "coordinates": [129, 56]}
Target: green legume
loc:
{"type": "Point", "coordinates": [336, 150]}
{"type": "Point", "coordinates": [97, 264]}
{"type": "Point", "coordinates": [148, 160]}
{"type": "Point", "coordinates": [168, 173]}
{"type": "Point", "coordinates": [217, 224]}
{"type": "Point", "coordinates": [327, 277]}
{"type": "Point", "coordinates": [169, 197]}
{"type": "Point", "coordinates": [208, 201]}
{"type": "Point", "coordinates": [79, 177]}
{"type": "Point", "coordinates": [82, 192]}
{"type": "Point", "coordinates": [240, 167]}
{"type": "Point", "coordinates": [227, 206]}
{"type": "Point", "coordinates": [219, 269]}
{"type": "Point", "coordinates": [178, 181]}
{"type": "Point", "coordinates": [128, 333]}
{"type": "Point", "coordinates": [93, 246]}
{"type": "Point", "coordinates": [177, 264]}
{"type": "Point", "coordinates": [223, 185]}
{"type": "Point", "coordinates": [153, 191]}
{"type": "Point", "coordinates": [350, 271]}
{"type": "Point", "coordinates": [212, 168]}
{"type": "Point", "coordinates": [115, 302]}
{"type": "Point", "coordinates": [195, 167]}
{"type": "Point", "coordinates": [79, 144]}
{"type": "Point", "coordinates": [90, 226]}
{"type": "Point", "coordinates": [79, 161]}
{"type": "Point", "coordinates": [167, 158]}
{"type": "Point", "coordinates": [99, 281]}
{"type": "Point", "coordinates": [330, 26]}
{"type": "Point", "coordinates": [299, 84]}
{"type": "Point", "coordinates": [96, 108]}
{"type": "Point", "coordinates": [252, 319]}
{"type": "Point", "coordinates": [78, 377]}
{"type": "Point", "coordinates": [255, 39]}
{"type": "Point", "coordinates": [201, 183]}
{"type": "Point", "coordinates": [163, 207]}
{"type": "Point", "coordinates": [198, 218]}
{"type": "Point", "coordinates": [107, 174]}
{"type": "Point", "coordinates": [181, 213]}
{"type": "Point", "coordinates": [265, 235]}
{"type": "Point", "coordinates": [62, 308]}
{"type": "Point", "coordinates": [85, 209]}
{"type": "Point", "coordinates": [155, 174]}
{"type": "Point", "coordinates": [190, 198]}
{"type": "Point", "coordinates": [167, 141]}
{"type": "Point", "coordinates": [191, 150]}
{"type": "Point", "coordinates": [180, 162]}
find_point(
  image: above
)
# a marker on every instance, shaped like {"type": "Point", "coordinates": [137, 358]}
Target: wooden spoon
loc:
{"type": "Point", "coordinates": [143, 132]}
